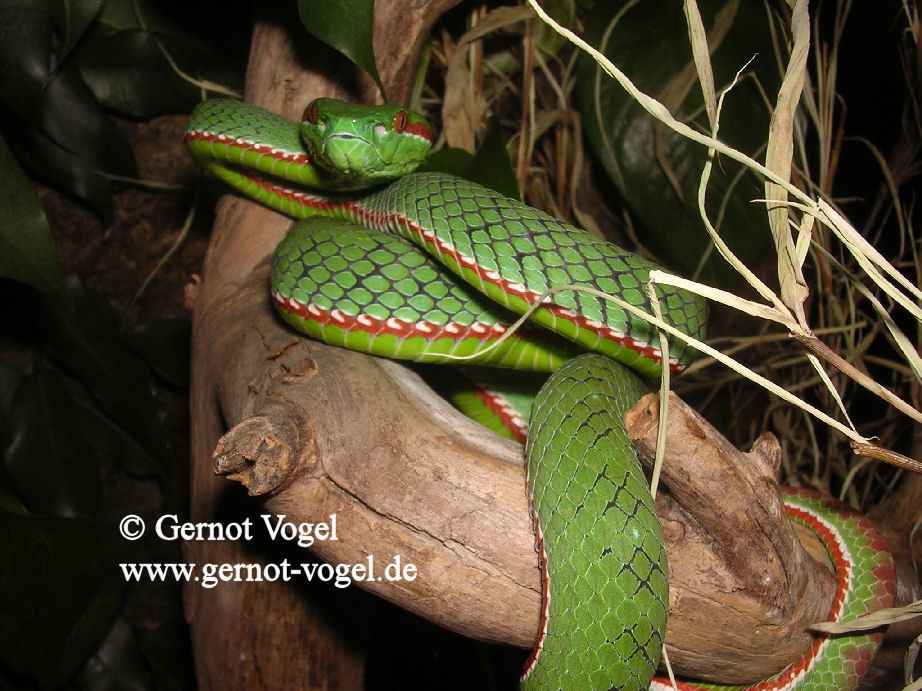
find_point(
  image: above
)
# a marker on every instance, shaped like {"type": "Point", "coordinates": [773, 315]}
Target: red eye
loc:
{"type": "Point", "coordinates": [310, 115]}
{"type": "Point", "coordinates": [401, 120]}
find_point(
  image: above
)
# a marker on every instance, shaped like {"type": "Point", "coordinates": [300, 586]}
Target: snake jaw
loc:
{"type": "Point", "coordinates": [359, 150]}
{"type": "Point", "coordinates": [351, 159]}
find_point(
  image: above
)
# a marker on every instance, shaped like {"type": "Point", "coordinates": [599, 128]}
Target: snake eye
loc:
{"type": "Point", "coordinates": [310, 115]}
{"type": "Point", "coordinates": [401, 120]}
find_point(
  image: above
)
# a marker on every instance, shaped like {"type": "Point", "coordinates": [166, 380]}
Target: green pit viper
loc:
{"type": "Point", "coordinates": [454, 266]}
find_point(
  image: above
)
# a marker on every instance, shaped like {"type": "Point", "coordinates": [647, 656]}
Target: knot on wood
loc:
{"type": "Point", "coordinates": [265, 452]}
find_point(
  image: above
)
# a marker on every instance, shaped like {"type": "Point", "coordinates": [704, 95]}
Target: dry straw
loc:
{"type": "Point", "coordinates": [792, 238]}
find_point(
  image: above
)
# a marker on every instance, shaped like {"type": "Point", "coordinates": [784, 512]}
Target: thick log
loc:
{"type": "Point", "coordinates": [328, 431]}
{"type": "Point", "coordinates": [239, 630]}
{"type": "Point", "coordinates": [740, 577]}
{"type": "Point", "coordinates": [407, 475]}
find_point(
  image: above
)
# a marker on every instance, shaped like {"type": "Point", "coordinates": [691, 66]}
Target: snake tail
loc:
{"type": "Point", "coordinates": [606, 578]}
{"type": "Point", "coordinates": [865, 583]}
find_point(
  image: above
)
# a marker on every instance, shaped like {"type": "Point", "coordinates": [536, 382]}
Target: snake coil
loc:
{"type": "Point", "coordinates": [454, 267]}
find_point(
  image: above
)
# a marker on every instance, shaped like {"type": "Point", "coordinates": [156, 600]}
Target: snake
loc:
{"type": "Point", "coordinates": [397, 261]}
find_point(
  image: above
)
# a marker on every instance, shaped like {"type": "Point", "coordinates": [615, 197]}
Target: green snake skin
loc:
{"type": "Point", "coordinates": [458, 262]}
{"type": "Point", "coordinates": [501, 400]}
{"type": "Point", "coordinates": [513, 253]}
{"type": "Point", "coordinates": [604, 544]}
{"type": "Point", "coordinates": [361, 274]}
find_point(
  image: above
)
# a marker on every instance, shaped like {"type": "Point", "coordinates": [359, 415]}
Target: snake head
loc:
{"type": "Point", "coordinates": [364, 145]}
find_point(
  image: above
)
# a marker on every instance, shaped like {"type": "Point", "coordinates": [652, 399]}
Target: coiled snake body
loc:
{"type": "Point", "coordinates": [455, 266]}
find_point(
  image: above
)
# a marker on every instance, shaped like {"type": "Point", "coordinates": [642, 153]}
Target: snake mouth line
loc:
{"type": "Point", "coordinates": [343, 137]}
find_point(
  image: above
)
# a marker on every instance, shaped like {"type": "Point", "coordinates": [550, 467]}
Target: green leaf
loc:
{"type": "Point", "coordinates": [562, 12]}
{"type": "Point", "coordinates": [140, 59]}
{"type": "Point", "coordinates": [117, 15]}
{"type": "Point", "coordinates": [128, 661]}
{"type": "Point", "coordinates": [73, 119]}
{"type": "Point", "coordinates": [10, 377]}
{"type": "Point", "coordinates": [346, 26]}
{"type": "Point", "coordinates": [61, 132]}
{"type": "Point", "coordinates": [26, 53]}
{"type": "Point", "coordinates": [86, 341]}
{"type": "Point", "coordinates": [60, 589]}
{"type": "Point", "coordinates": [491, 166]}
{"type": "Point", "coordinates": [447, 160]}
{"type": "Point", "coordinates": [129, 71]}
{"type": "Point", "coordinates": [70, 141]}
{"type": "Point", "coordinates": [656, 171]}
{"type": "Point", "coordinates": [117, 663]}
{"type": "Point", "coordinates": [104, 434]}
{"type": "Point", "coordinates": [76, 17]}
{"type": "Point", "coordinates": [10, 502]}
{"type": "Point", "coordinates": [44, 159]}
{"type": "Point", "coordinates": [27, 251]}
{"type": "Point", "coordinates": [9, 380]}
{"type": "Point", "coordinates": [164, 344]}
{"type": "Point", "coordinates": [50, 466]}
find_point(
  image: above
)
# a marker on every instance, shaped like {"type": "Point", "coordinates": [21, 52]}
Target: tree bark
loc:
{"type": "Point", "coordinates": [325, 431]}
{"type": "Point", "coordinates": [269, 635]}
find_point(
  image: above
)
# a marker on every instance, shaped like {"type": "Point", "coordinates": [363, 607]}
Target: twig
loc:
{"type": "Point", "coordinates": [820, 349]}
{"type": "Point", "coordinates": [879, 453]}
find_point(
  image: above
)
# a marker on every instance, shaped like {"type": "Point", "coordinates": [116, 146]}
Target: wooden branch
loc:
{"type": "Point", "coordinates": [365, 439]}
{"type": "Point", "coordinates": [324, 431]}
{"type": "Point", "coordinates": [320, 431]}
{"type": "Point", "coordinates": [739, 574]}
{"type": "Point", "coordinates": [236, 628]}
